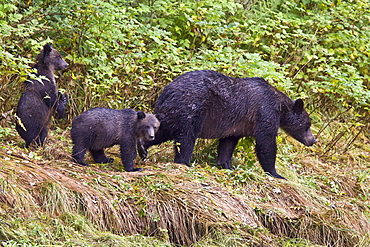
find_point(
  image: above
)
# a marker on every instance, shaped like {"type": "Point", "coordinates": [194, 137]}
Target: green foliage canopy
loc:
{"type": "Point", "coordinates": [122, 53]}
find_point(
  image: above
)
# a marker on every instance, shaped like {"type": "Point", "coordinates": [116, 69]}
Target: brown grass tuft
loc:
{"type": "Point", "coordinates": [186, 206]}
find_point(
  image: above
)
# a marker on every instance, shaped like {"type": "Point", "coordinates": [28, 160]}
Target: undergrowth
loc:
{"type": "Point", "coordinates": [46, 201]}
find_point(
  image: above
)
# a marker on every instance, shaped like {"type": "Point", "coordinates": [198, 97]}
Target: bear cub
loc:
{"type": "Point", "coordinates": [41, 99]}
{"type": "Point", "coordinates": [99, 128]}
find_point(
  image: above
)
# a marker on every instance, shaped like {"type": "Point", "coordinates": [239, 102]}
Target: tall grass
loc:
{"type": "Point", "coordinates": [54, 201]}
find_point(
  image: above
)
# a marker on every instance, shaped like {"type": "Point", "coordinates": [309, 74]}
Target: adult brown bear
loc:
{"type": "Point", "coordinates": [208, 104]}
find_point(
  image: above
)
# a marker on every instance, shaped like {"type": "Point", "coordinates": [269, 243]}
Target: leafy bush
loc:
{"type": "Point", "coordinates": [324, 44]}
{"type": "Point", "coordinates": [122, 53]}
{"type": "Point", "coordinates": [18, 36]}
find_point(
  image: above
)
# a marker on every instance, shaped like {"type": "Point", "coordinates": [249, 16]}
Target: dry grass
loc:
{"type": "Point", "coordinates": [200, 206]}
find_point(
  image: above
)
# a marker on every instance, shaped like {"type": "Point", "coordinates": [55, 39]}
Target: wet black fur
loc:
{"type": "Point", "coordinates": [40, 100]}
{"type": "Point", "coordinates": [207, 104]}
{"type": "Point", "coordinates": [100, 128]}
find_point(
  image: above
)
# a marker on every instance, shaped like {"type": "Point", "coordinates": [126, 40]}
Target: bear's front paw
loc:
{"type": "Point", "coordinates": [62, 103]}
{"type": "Point", "coordinates": [135, 170]}
{"type": "Point", "coordinates": [275, 175]}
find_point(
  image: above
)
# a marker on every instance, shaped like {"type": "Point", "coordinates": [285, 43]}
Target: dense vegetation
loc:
{"type": "Point", "coordinates": [122, 53]}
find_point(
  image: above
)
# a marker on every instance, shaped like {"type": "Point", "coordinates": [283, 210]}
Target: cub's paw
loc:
{"type": "Point", "coordinates": [135, 170]}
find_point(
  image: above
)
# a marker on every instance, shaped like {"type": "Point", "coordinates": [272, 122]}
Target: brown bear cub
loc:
{"type": "Point", "coordinates": [100, 128]}
{"type": "Point", "coordinates": [40, 100]}
{"type": "Point", "coordinates": [208, 104]}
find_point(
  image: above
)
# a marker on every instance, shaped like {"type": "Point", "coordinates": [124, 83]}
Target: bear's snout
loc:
{"type": "Point", "coordinates": [151, 137]}
{"type": "Point", "coordinates": [309, 139]}
{"type": "Point", "coordinates": [310, 142]}
{"type": "Point", "coordinates": [63, 65]}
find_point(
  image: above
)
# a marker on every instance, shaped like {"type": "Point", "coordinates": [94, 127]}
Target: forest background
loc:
{"type": "Point", "coordinates": [122, 54]}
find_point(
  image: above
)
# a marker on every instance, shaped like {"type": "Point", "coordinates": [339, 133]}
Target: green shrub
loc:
{"type": "Point", "coordinates": [122, 53]}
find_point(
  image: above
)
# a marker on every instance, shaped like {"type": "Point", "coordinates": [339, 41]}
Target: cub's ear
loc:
{"type": "Point", "coordinates": [47, 49]}
{"type": "Point", "coordinates": [159, 116]}
{"type": "Point", "coordinates": [140, 115]}
{"type": "Point", "coordinates": [298, 106]}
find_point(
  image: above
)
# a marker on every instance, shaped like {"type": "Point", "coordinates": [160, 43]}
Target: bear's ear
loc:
{"type": "Point", "coordinates": [140, 115]}
{"type": "Point", "coordinates": [298, 106]}
{"type": "Point", "coordinates": [47, 49]}
{"type": "Point", "coordinates": [159, 116]}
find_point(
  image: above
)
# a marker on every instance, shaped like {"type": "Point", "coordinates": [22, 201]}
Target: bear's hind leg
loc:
{"type": "Point", "coordinates": [40, 139]}
{"type": "Point", "coordinates": [226, 148]}
{"type": "Point", "coordinates": [30, 138]}
{"type": "Point", "coordinates": [36, 139]}
{"type": "Point", "coordinates": [99, 156]}
{"type": "Point", "coordinates": [31, 135]}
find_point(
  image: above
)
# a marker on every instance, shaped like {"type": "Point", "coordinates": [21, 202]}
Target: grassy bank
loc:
{"type": "Point", "coordinates": [47, 200]}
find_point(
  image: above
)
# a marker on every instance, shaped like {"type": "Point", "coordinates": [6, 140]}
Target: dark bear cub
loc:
{"type": "Point", "coordinates": [207, 104]}
{"type": "Point", "coordinates": [99, 128]}
{"type": "Point", "coordinates": [40, 100]}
